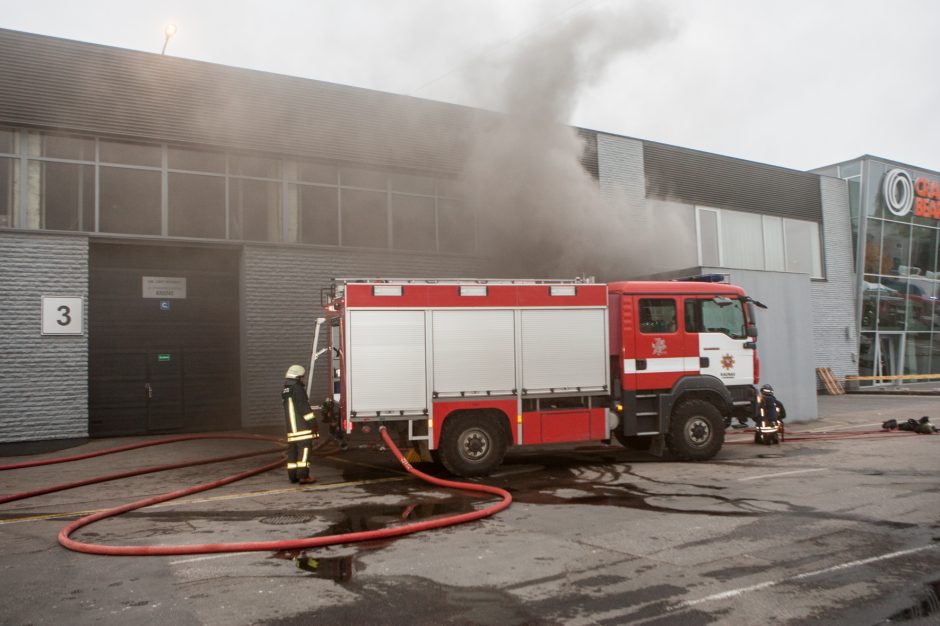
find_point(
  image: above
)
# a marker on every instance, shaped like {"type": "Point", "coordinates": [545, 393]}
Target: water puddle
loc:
{"type": "Point", "coordinates": [361, 518]}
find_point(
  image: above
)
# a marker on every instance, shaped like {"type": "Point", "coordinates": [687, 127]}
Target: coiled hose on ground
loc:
{"type": "Point", "coordinates": [289, 544]}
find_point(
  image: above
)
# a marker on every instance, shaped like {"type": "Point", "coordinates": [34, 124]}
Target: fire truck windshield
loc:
{"type": "Point", "coordinates": [708, 316]}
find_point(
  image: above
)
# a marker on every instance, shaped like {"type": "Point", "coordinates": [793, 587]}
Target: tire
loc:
{"type": "Point", "coordinates": [472, 444]}
{"type": "Point", "coordinates": [696, 432]}
{"type": "Point", "coordinates": [639, 444]}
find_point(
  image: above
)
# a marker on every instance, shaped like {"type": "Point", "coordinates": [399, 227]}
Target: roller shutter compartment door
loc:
{"type": "Point", "coordinates": [387, 361]}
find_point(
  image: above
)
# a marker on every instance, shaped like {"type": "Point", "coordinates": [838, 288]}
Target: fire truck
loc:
{"type": "Point", "coordinates": [460, 370]}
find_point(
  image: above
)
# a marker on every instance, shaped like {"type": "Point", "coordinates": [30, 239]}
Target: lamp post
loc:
{"type": "Point", "coordinates": [168, 32]}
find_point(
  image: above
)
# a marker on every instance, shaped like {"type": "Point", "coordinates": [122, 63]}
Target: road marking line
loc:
{"type": "Point", "coordinates": [233, 496]}
{"type": "Point", "coordinates": [803, 471]}
{"type": "Point", "coordinates": [736, 592]}
{"type": "Point", "coordinates": [206, 558]}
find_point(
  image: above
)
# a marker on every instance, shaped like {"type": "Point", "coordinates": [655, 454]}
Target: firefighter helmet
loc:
{"type": "Point", "coordinates": [767, 390]}
{"type": "Point", "coordinates": [295, 371]}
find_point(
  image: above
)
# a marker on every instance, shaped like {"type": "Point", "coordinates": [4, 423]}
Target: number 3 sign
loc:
{"type": "Point", "coordinates": [62, 315]}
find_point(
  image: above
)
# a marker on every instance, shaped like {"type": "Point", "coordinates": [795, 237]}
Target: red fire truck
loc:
{"type": "Point", "coordinates": [462, 369]}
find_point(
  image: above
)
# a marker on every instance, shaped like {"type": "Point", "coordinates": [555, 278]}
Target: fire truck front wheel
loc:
{"type": "Point", "coordinates": [472, 444]}
{"type": "Point", "coordinates": [697, 430]}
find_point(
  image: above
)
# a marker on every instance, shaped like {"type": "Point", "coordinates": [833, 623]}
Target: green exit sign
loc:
{"type": "Point", "coordinates": [163, 358]}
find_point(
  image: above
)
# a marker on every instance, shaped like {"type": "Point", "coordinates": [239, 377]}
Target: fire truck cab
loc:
{"type": "Point", "coordinates": [463, 369]}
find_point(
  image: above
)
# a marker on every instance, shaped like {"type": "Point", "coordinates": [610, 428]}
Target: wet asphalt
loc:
{"type": "Point", "coordinates": [823, 531]}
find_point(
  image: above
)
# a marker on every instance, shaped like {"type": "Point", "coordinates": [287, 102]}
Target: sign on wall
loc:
{"type": "Point", "coordinates": [164, 287]}
{"type": "Point", "coordinates": [62, 315]}
{"type": "Point", "coordinates": [902, 193]}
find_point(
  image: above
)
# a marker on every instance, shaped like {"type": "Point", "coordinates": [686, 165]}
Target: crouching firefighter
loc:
{"type": "Point", "coordinates": [301, 427]}
{"type": "Point", "coordinates": [769, 417]}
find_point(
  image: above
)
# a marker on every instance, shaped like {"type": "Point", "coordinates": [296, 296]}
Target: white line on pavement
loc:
{"type": "Point", "coordinates": [736, 592]}
{"type": "Point", "coordinates": [803, 471]}
{"type": "Point", "coordinates": [206, 558]}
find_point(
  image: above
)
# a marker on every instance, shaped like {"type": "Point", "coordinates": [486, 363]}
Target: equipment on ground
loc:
{"type": "Point", "coordinates": [463, 369]}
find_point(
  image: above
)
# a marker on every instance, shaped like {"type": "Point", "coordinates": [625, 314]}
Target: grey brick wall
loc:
{"type": "Point", "coordinates": [834, 333]}
{"type": "Point", "coordinates": [43, 379]}
{"type": "Point", "coordinates": [281, 301]}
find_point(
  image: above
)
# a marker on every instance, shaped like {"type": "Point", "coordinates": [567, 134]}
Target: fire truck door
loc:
{"type": "Point", "coordinates": [660, 350]}
{"type": "Point", "coordinates": [717, 324]}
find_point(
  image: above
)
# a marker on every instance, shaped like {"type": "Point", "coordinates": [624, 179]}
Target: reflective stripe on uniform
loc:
{"type": "Point", "coordinates": [291, 415]}
{"type": "Point", "coordinates": [304, 461]}
{"type": "Point", "coordinates": [309, 416]}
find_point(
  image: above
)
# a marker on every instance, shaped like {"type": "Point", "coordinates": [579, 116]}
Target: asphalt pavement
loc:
{"type": "Point", "coordinates": [840, 524]}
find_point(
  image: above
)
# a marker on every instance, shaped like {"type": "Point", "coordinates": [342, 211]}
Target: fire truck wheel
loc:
{"type": "Point", "coordinates": [472, 444]}
{"type": "Point", "coordinates": [697, 431]}
{"type": "Point", "coordinates": [640, 444]}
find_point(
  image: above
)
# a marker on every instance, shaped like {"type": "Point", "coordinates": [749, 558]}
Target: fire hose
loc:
{"type": "Point", "coordinates": [289, 544]}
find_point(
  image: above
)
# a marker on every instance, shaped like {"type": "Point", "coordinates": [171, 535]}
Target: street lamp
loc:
{"type": "Point", "coordinates": [168, 32]}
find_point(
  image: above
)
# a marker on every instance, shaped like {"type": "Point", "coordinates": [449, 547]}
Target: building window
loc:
{"type": "Point", "coordinates": [66, 195]}
{"type": "Point", "coordinates": [456, 227]}
{"type": "Point", "coordinates": [178, 191]}
{"type": "Point", "coordinates": [802, 247]}
{"type": "Point", "coordinates": [7, 141]}
{"type": "Point", "coordinates": [319, 214]}
{"type": "Point", "coordinates": [742, 241]}
{"type": "Point", "coordinates": [7, 196]}
{"type": "Point", "coordinates": [736, 239]}
{"type": "Point", "coordinates": [129, 201]}
{"type": "Point", "coordinates": [61, 147]}
{"type": "Point", "coordinates": [254, 210]}
{"type": "Point", "coordinates": [123, 153]}
{"type": "Point", "coordinates": [195, 206]}
{"type": "Point", "coordinates": [413, 222]}
{"type": "Point", "coordinates": [195, 160]}
{"type": "Point", "coordinates": [709, 240]}
{"type": "Point", "coordinates": [365, 218]}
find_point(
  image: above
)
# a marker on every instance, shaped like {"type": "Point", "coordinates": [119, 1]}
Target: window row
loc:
{"type": "Point", "coordinates": [217, 196]}
{"type": "Point", "coordinates": [752, 241]}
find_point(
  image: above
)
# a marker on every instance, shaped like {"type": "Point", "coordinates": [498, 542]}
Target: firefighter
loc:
{"type": "Point", "coordinates": [301, 428]}
{"type": "Point", "coordinates": [769, 415]}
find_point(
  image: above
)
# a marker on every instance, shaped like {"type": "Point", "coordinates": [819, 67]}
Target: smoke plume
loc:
{"type": "Point", "coordinates": [538, 208]}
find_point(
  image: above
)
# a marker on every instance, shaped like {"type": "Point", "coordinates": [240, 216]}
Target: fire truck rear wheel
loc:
{"type": "Point", "coordinates": [472, 444]}
{"type": "Point", "coordinates": [697, 431]}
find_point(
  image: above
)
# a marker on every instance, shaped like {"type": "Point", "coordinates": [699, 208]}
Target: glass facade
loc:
{"type": "Point", "coordinates": [898, 262]}
{"type": "Point", "coordinates": [98, 185]}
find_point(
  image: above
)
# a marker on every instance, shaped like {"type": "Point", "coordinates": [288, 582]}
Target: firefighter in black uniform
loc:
{"type": "Point", "coordinates": [301, 428]}
{"type": "Point", "coordinates": [769, 416]}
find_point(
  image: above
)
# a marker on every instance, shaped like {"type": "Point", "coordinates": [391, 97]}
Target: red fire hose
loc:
{"type": "Point", "coordinates": [291, 544]}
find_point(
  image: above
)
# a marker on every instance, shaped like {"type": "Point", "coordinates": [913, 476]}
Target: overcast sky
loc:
{"type": "Point", "coordinates": [797, 83]}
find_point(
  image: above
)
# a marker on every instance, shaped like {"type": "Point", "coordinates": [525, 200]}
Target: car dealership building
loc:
{"type": "Point", "coordinates": [167, 226]}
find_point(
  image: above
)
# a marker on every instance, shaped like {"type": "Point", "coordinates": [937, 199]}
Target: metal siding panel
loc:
{"type": "Point", "coordinates": [699, 178]}
{"type": "Point", "coordinates": [386, 361]}
{"type": "Point", "coordinates": [474, 352]}
{"type": "Point", "coordinates": [47, 82]}
{"type": "Point", "coordinates": [564, 348]}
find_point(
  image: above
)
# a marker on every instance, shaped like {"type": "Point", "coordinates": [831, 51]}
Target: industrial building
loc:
{"type": "Point", "coordinates": [167, 226]}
